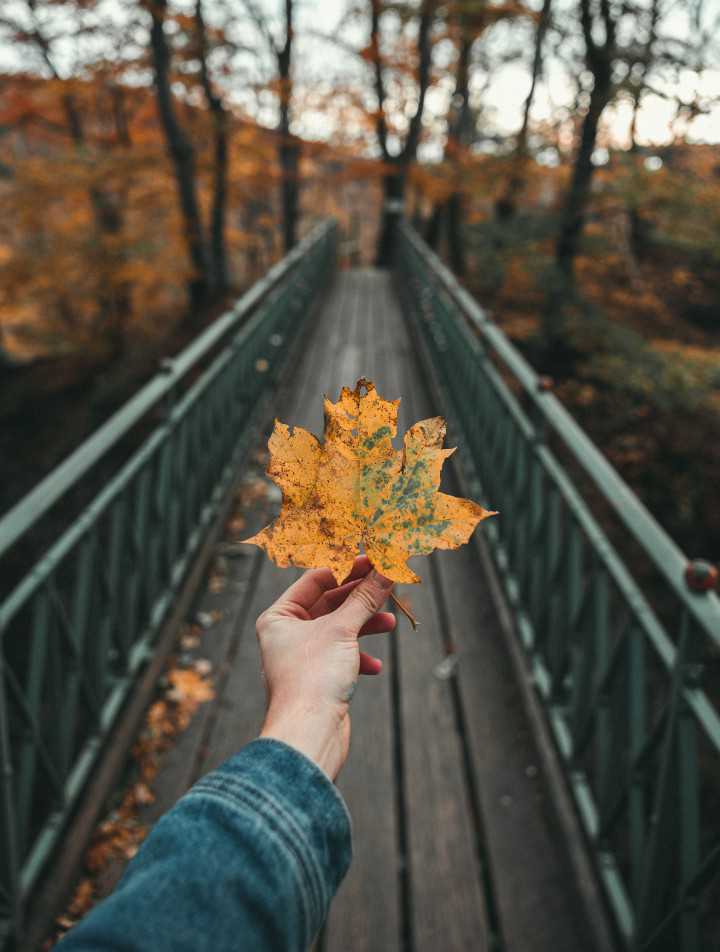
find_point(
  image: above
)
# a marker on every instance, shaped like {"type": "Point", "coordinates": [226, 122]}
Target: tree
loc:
{"type": "Point", "coordinates": [289, 150]}
{"type": "Point", "coordinates": [288, 145]}
{"type": "Point", "coordinates": [468, 21]}
{"type": "Point", "coordinates": [397, 163]}
{"type": "Point", "coordinates": [449, 210]}
{"type": "Point", "coordinates": [214, 103]}
{"type": "Point", "coordinates": [182, 155]}
{"type": "Point", "coordinates": [599, 59]}
{"type": "Point", "coordinates": [506, 205]}
{"type": "Point", "coordinates": [113, 298]}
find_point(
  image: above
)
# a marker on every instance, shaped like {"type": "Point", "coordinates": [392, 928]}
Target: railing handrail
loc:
{"type": "Point", "coordinates": [667, 556]}
{"type": "Point", "coordinates": [25, 513]}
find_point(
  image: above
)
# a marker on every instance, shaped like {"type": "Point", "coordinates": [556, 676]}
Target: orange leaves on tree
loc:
{"type": "Point", "coordinates": [356, 490]}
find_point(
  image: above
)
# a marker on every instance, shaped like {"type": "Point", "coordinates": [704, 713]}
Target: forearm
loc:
{"type": "Point", "coordinates": [250, 858]}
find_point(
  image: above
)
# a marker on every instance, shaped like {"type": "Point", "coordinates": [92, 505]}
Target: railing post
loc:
{"type": "Point", "coordinates": [673, 833]}
{"type": "Point", "coordinates": [9, 860]}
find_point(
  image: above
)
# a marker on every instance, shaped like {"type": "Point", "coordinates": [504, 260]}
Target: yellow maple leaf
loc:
{"type": "Point", "coordinates": [356, 490]}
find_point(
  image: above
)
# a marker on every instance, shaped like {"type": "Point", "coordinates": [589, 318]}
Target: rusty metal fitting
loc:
{"type": "Point", "coordinates": [545, 384]}
{"type": "Point", "coordinates": [701, 576]}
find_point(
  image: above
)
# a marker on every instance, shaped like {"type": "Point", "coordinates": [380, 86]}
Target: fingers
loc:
{"type": "Point", "coordinates": [310, 588]}
{"type": "Point", "coordinates": [379, 623]}
{"type": "Point", "coordinates": [369, 665]}
{"type": "Point", "coordinates": [360, 569]}
{"type": "Point", "coordinates": [364, 600]}
{"type": "Point", "coordinates": [333, 599]}
{"type": "Point", "coordinates": [304, 593]}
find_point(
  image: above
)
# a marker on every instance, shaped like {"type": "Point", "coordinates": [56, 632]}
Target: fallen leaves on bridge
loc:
{"type": "Point", "coordinates": [356, 490]}
{"type": "Point", "coordinates": [119, 836]}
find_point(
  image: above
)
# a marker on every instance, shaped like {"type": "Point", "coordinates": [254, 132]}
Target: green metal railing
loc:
{"type": "Point", "coordinates": [78, 628]}
{"type": "Point", "coordinates": [628, 698]}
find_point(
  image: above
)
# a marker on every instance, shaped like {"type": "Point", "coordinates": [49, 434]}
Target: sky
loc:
{"type": "Point", "coordinates": [323, 71]}
{"type": "Point", "coordinates": [502, 94]}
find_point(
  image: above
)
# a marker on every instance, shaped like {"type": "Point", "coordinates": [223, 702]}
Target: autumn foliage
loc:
{"type": "Point", "coordinates": [355, 489]}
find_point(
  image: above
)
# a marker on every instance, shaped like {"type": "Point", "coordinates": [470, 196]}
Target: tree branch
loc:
{"type": "Point", "coordinates": [380, 121]}
{"type": "Point", "coordinates": [258, 19]}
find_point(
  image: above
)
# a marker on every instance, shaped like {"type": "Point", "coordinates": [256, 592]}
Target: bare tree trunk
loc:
{"type": "Point", "coordinates": [639, 226]}
{"type": "Point", "coordinates": [433, 228]}
{"type": "Point", "coordinates": [560, 288]}
{"type": "Point", "coordinates": [599, 58]}
{"type": "Point", "coordinates": [573, 214]}
{"type": "Point", "coordinates": [114, 304]}
{"type": "Point", "coordinates": [288, 150]}
{"type": "Point", "coordinates": [122, 126]}
{"type": "Point", "coordinates": [288, 145]}
{"type": "Point", "coordinates": [393, 201]}
{"type": "Point", "coordinates": [289, 153]}
{"type": "Point", "coordinates": [396, 174]}
{"type": "Point", "coordinates": [183, 159]}
{"type": "Point", "coordinates": [456, 240]}
{"type": "Point", "coordinates": [458, 134]}
{"type": "Point", "coordinates": [506, 206]}
{"type": "Point", "coordinates": [218, 251]}
{"type": "Point", "coordinates": [448, 215]}
{"type": "Point", "coordinates": [5, 360]}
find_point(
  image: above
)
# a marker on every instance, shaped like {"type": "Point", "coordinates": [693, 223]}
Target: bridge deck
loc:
{"type": "Point", "coordinates": [455, 838]}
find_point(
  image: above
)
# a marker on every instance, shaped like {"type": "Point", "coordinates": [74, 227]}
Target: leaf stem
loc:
{"type": "Point", "coordinates": [405, 610]}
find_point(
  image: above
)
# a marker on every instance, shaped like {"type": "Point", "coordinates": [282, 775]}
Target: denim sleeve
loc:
{"type": "Point", "coordinates": [248, 859]}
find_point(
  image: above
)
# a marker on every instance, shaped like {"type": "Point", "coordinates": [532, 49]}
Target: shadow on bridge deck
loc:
{"type": "Point", "coordinates": [457, 844]}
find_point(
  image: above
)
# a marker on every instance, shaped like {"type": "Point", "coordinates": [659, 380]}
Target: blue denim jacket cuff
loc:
{"type": "Point", "coordinates": [297, 805]}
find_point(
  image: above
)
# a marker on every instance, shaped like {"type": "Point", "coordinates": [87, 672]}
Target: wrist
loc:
{"type": "Point", "coordinates": [316, 733]}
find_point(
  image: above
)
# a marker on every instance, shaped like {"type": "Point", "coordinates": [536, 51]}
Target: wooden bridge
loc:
{"type": "Point", "coordinates": [537, 768]}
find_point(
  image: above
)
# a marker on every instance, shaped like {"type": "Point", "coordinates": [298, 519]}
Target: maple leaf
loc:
{"type": "Point", "coordinates": [356, 490]}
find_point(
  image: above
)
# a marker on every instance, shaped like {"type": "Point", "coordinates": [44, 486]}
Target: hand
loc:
{"type": "Point", "coordinates": [311, 658]}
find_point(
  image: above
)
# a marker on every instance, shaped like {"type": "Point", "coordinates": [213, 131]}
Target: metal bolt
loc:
{"type": "Point", "coordinates": [545, 384]}
{"type": "Point", "coordinates": [701, 576]}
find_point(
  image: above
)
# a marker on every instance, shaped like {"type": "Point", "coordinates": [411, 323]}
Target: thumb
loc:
{"type": "Point", "coordinates": [364, 600]}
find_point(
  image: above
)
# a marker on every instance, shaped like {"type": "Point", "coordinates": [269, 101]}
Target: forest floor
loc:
{"type": "Point", "coordinates": [643, 379]}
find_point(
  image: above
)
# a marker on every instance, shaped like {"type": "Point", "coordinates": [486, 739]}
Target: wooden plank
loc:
{"type": "Point", "coordinates": [177, 769]}
{"type": "Point", "coordinates": [365, 916]}
{"type": "Point", "coordinates": [446, 905]}
{"type": "Point", "coordinates": [532, 877]}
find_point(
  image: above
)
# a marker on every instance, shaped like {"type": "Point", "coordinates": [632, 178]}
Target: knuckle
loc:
{"type": "Point", "coordinates": [366, 596]}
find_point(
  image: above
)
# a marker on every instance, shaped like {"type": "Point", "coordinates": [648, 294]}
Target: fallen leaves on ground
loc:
{"type": "Point", "coordinates": [206, 620]}
{"type": "Point", "coordinates": [119, 836]}
{"type": "Point", "coordinates": [357, 490]}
